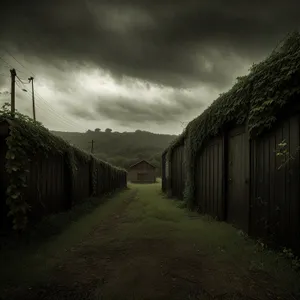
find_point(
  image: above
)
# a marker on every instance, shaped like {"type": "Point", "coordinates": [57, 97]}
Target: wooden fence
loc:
{"type": "Point", "coordinates": [51, 188]}
{"type": "Point", "coordinates": [209, 179]}
{"type": "Point", "coordinates": [275, 185]}
{"type": "Point", "coordinates": [177, 172]}
{"type": "Point", "coordinates": [244, 182]}
{"type": "Point", "coordinates": [163, 172]}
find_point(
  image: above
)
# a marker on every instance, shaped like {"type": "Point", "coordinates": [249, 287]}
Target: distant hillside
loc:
{"type": "Point", "coordinates": [121, 149]}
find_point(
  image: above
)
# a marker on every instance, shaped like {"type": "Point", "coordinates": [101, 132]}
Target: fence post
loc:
{"type": "Point", "coordinates": [168, 177]}
{"type": "Point", "coordinates": [225, 173]}
{"type": "Point", "coordinates": [68, 184]}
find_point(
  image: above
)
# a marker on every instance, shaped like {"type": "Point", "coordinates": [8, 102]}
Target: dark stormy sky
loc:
{"type": "Point", "coordinates": [139, 64]}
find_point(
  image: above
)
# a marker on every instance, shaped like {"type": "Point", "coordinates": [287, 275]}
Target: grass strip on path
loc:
{"type": "Point", "coordinates": [140, 245]}
{"type": "Point", "coordinates": [195, 245]}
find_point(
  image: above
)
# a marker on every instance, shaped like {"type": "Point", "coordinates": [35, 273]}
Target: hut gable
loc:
{"type": "Point", "coordinates": [142, 165]}
{"type": "Point", "coordinates": [142, 172]}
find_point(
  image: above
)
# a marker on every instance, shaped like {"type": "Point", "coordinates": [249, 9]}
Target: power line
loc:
{"type": "Point", "coordinates": [21, 80]}
{"type": "Point", "coordinates": [49, 108]}
{"type": "Point", "coordinates": [47, 111]}
{"type": "Point", "coordinates": [53, 115]}
{"type": "Point", "coordinates": [18, 62]}
{"type": "Point", "coordinates": [75, 124]}
{"type": "Point", "coordinates": [43, 104]}
{"type": "Point", "coordinates": [17, 83]}
{"type": "Point", "coordinates": [59, 119]}
{"type": "Point", "coordinates": [8, 65]}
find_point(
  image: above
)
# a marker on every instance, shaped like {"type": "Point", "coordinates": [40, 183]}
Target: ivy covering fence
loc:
{"type": "Point", "coordinates": [25, 141]}
{"type": "Point", "coordinates": [255, 100]}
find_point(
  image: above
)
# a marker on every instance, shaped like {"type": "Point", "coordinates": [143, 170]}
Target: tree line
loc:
{"type": "Point", "coordinates": [121, 148]}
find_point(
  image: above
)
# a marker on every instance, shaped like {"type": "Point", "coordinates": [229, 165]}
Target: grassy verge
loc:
{"type": "Point", "coordinates": [149, 248]}
{"type": "Point", "coordinates": [222, 245]}
{"type": "Point", "coordinates": [29, 259]}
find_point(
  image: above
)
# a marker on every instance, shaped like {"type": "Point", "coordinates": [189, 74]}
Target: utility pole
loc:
{"type": "Point", "coordinates": [13, 92]}
{"type": "Point", "coordinates": [33, 100]}
{"type": "Point", "coordinates": [92, 147]}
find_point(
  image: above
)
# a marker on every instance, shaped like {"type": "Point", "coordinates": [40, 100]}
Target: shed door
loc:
{"type": "Point", "coordinates": [141, 176]}
{"type": "Point", "coordinates": [238, 178]}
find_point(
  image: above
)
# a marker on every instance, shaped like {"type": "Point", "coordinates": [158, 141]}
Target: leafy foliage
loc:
{"type": "Point", "coordinates": [283, 152]}
{"type": "Point", "coordinates": [26, 138]}
{"type": "Point", "coordinates": [295, 260]}
{"type": "Point", "coordinates": [254, 100]}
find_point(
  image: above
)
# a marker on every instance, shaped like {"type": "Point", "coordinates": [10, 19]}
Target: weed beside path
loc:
{"type": "Point", "coordinates": [140, 245]}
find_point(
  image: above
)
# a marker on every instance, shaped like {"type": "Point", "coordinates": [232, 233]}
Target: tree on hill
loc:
{"type": "Point", "coordinates": [97, 130]}
{"type": "Point", "coordinates": [122, 149]}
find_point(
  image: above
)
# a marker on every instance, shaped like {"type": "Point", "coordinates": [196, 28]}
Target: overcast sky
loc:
{"type": "Point", "coordinates": [140, 64]}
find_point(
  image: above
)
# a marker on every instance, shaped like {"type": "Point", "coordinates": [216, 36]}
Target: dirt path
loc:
{"type": "Point", "coordinates": [147, 248]}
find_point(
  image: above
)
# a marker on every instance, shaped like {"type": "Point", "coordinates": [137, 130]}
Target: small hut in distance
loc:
{"type": "Point", "coordinates": [142, 172]}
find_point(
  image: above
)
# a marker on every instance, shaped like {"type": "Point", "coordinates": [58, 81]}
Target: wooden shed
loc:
{"type": "Point", "coordinates": [142, 172]}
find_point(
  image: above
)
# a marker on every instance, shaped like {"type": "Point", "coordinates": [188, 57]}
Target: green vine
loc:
{"type": "Point", "coordinates": [282, 151]}
{"type": "Point", "coordinates": [295, 260]}
{"type": "Point", "coordinates": [17, 165]}
{"type": "Point", "coordinates": [26, 138]}
{"type": "Point", "coordinates": [254, 100]}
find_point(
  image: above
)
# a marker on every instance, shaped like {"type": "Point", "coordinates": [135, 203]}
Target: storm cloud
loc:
{"type": "Point", "coordinates": [171, 44]}
{"type": "Point", "coordinates": [133, 111]}
{"type": "Point", "coordinates": [168, 42]}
